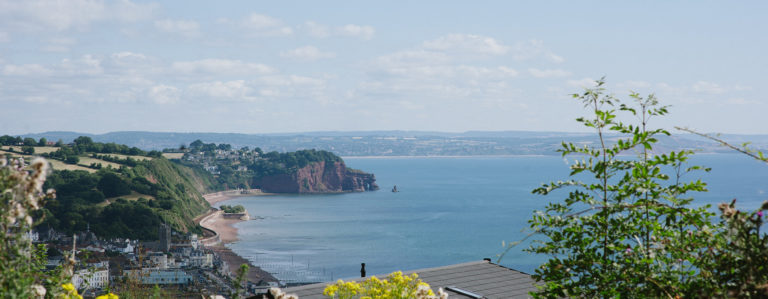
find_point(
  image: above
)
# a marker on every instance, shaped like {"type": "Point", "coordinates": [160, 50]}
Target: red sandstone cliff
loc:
{"type": "Point", "coordinates": [319, 177]}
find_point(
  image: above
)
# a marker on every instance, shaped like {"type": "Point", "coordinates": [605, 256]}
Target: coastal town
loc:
{"type": "Point", "coordinates": [182, 264]}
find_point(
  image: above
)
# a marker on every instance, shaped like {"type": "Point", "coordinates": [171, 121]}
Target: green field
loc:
{"type": "Point", "coordinates": [173, 155]}
{"type": "Point", "coordinates": [55, 164]}
{"type": "Point", "coordinates": [86, 161]}
{"type": "Point", "coordinates": [121, 156]}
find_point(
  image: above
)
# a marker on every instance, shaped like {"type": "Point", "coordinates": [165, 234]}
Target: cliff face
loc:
{"type": "Point", "coordinates": [319, 177]}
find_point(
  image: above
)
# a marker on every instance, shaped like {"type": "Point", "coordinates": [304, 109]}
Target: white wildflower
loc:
{"type": "Point", "coordinates": [38, 291]}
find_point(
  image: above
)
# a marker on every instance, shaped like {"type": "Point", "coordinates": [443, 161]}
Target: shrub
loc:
{"type": "Point", "coordinates": [625, 227]}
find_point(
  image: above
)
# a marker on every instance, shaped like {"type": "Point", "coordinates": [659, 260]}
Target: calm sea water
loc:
{"type": "Point", "coordinates": [449, 210]}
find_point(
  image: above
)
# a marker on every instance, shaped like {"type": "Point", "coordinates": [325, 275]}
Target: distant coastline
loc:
{"type": "Point", "coordinates": [449, 156]}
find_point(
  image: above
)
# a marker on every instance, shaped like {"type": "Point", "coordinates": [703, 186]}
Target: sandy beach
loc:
{"type": "Point", "coordinates": [224, 227]}
{"type": "Point", "coordinates": [220, 196]}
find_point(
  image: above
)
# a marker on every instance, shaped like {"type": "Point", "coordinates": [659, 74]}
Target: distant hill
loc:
{"type": "Point", "coordinates": [395, 143]}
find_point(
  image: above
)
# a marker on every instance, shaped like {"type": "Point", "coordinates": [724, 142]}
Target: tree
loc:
{"type": "Point", "coordinates": [42, 142]}
{"type": "Point", "coordinates": [30, 141]}
{"type": "Point", "coordinates": [72, 159]}
{"type": "Point", "coordinates": [196, 145]}
{"type": "Point", "coordinates": [112, 185]}
{"type": "Point", "coordinates": [625, 227]}
{"type": "Point", "coordinates": [83, 140]}
{"type": "Point", "coordinates": [27, 150]}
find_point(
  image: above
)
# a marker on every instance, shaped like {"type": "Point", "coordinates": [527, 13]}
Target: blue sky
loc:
{"type": "Point", "coordinates": [291, 66]}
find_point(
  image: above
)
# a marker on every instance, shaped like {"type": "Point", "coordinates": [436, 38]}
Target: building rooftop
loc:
{"type": "Point", "coordinates": [481, 279]}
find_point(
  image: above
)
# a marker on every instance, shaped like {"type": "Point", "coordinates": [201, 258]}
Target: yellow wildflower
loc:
{"type": "Point", "coordinates": [108, 296]}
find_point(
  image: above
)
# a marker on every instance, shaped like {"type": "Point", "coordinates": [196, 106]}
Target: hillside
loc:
{"type": "Point", "coordinates": [117, 191]}
{"type": "Point", "coordinates": [302, 171]}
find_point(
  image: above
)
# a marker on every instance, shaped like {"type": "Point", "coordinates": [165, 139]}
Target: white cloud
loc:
{"type": "Point", "coordinates": [633, 84]}
{"type": "Point", "coordinates": [317, 30]}
{"type": "Point", "coordinates": [47, 15]}
{"type": "Point", "coordinates": [163, 94]}
{"type": "Point", "coordinates": [362, 32]}
{"type": "Point", "coordinates": [36, 99]}
{"type": "Point", "coordinates": [307, 53]}
{"type": "Point", "coordinates": [221, 66]}
{"type": "Point", "coordinates": [466, 43]}
{"type": "Point", "coordinates": [30, 70]}
{"type": "Point", "coordinates": [127, 11]}
{"type": "Point", "coordinates": [411, 57]}
{"type": "Point", "coordinates": [237, 89]}
{"type": "Point", "coordinates": [291, 80]}
{"type": "Point", "coordinates": [708, 87]}
{"type": "Point", "coordinates": [581, 83]}
{"type": "Point", "coordinates": [741, 101]}
{"type": "Point", "coordinates": [127, 56]}
{"type": "Point", "coordinates": [59, 44]}
{"type": "Point", "coordinates": [181, 27]}
{"type": "Point", "coordinates": [263, 25]}
{"type": "Point", "coordinates": [553, 73]}
{"type": "Point", "coordinates": [532, 49]}
{"type": "Point", "coordinates": [444, 68]}
{"type": "Point", "coordinates": [4, 37]}
{"type": "Point", "coordinates": [86, 65]}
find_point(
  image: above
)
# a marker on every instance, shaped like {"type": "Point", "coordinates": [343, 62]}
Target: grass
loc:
{"type": "Point", "coordinates": [38, 149]}
{"type": "Point", "coordinates": [173, 155]}
{"type": "Point", "coordinates": [121, 156]}
{"type": "Point", "coordinates": [86, 161]}
{"type": "Point", "coordinates": [132, 197]}
{"type": "Point", "coordinates": [56, 164]}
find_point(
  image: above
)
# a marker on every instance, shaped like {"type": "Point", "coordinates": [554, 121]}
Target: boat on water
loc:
{"type": "Point", "coordinates": [394, 189]}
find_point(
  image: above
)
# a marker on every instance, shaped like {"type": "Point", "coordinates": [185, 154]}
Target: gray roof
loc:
{"type": "Point", "coordinates": [482, 278]}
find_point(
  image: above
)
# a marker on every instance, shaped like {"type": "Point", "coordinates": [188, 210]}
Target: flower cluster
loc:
{"type": "Point", "coordinates": [396, 285]}
{"type": "Point", "coordinates": [22, 191]}
{"type": "Point", "coordinates": [69, 292]}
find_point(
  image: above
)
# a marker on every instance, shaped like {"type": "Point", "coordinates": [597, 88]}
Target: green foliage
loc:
{"type": "Point", "coordinates": [71, 159]}
{"type": "Point", "coordinates": [83, 145]}
{"type": "Point", "coordinates": [112, 185]}
{"type": "Point", "coordinates": [239, 283]}
{"type": "Point", "coordinates": [279, 163]}
{"type": "Point", "coordinates": [27, 150]}
{"type": "Point", "coordinates": [738, 263]}
{"type": "Point", "coordinates": [626, 227]}
{"type": "Point", "coordinates": [232, 209]}
{"type": "Point", "coordinates": [29, 142]}
{"type": "Point", "coordinates": [177, 201]}
{"type": "Point", "coordinates": [10, 140]}
{"type": "Point", "coordinates": [22, 264]}
{"type": "Point", "coordinates": [127, 219]}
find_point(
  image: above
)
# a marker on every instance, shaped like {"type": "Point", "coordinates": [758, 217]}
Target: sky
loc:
{"type": "Point", "coordinates": [97, 66]}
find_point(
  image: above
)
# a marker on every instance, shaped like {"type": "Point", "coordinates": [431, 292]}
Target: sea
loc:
{"type": "Point", "coordinates": [448, 210]}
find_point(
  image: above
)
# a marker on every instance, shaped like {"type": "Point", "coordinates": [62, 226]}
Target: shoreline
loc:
{"type": "Point", "coordinates": [227, 233]}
